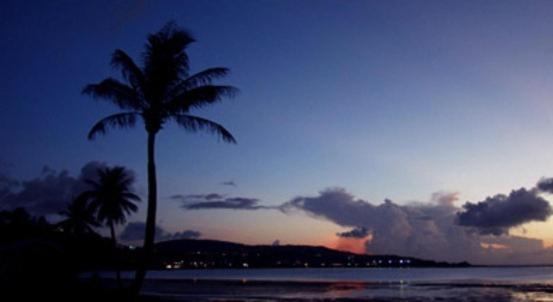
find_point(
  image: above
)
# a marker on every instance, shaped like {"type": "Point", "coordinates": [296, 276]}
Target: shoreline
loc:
{"type": "Point", "coordinates": [235, 290]}
{"type": "Point", "coordinates": [516, 275]}
{"type": "Point", "coordinates": [202, 289]}
{"type": "Point", "coordinates": [340, 284]}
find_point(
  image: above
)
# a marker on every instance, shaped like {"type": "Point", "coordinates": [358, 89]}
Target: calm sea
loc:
{"type": "Point", "coordinates": [354, 284]}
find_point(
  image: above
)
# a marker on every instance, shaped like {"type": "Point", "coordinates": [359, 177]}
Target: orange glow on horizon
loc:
{"type": "Point", "coordinates": [348, 245]}
{"type": "Point", "coordinates": [494, 246]}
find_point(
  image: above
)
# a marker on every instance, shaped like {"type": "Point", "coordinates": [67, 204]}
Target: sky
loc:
{"type": "Point", "coordinates": [365, 101]}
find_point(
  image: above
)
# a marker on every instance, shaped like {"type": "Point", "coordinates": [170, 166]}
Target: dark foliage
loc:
{"type": "Point", "coordinates": [111, 196]}
{"type": "Point", "coordinates": [38, 259]}
{"type": "Point", "coordinates": [79, 217]}
{"type": "Point", "coordinates": [160, 91]}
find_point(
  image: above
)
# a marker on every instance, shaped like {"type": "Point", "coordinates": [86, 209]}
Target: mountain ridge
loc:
{"type": "Point", "coordinates": [204, 253]}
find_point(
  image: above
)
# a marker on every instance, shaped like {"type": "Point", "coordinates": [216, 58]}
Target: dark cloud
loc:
{"type": "Point", "coordinates": [217, 201]}
{"type": "Point", "coordinates": [419, 229]}
{"type": "Point", "coordinates": [429, 229]}
{"type": "Point", "coordinates": [236, 203]}
{"type": "Point", "coordinates": [422, 230]}
{"type": "Point", "coordinates": [545, 185]}
{"type": "Point", "coordinates": [49, 192]}
{"type": "Point", "coordinates": [193, 198]}
{"type": "Point", "coordinates": [229, 183]}
{"type": "Point", "coordinates": [177, 197]}
{"type": "Point", "coordinates": [134, 231]}
{"type": "Point", "coordinates": [186, 234]}
{"type": "Point", "coordinates": [7, 184]}
{"type": "Point", "coordinates": [496, 215]}
{"type": "Point", "coordinates": [213, 196]}
{"type": "Point", "coordinates": [354, 233]}
{"type": "Point", "coordinates": [333, 204]}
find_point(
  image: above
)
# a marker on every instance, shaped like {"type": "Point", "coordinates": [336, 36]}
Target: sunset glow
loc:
{"type": "Point", "coordinates": [425, 124]}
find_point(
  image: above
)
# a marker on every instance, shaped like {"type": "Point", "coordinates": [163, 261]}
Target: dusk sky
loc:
{"type": "Point", "coordinates": [368, 100]}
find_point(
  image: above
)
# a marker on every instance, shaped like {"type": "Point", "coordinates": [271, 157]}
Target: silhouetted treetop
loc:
{"type": "Point", "coordinates": [162, 89]}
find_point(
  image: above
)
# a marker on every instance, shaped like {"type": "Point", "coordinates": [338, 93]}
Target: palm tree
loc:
{"type": "Point", "coordinates": [112, 199]}
{"type": "Point", "coordinates": [80, 217]}
{"type": "Point", "coordinates": [160, 91]}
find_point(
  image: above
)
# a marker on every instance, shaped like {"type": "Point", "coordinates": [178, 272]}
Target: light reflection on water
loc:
{"type": "Point", "coordinates": [344, 291]}
{"type": "Point", "coordinates": [483, 275]}
{"type": "Point", "coordinates": [377, 284]}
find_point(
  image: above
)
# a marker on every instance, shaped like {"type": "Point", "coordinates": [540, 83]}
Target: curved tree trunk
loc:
{"type": "Point", "coordinates": [116, 253]}
{"type": "Point", "coordinates": [148, 248]}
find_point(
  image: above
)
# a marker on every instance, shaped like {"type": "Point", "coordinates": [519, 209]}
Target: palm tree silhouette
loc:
{"type": "Point", "coordinates": [112, 199]}
{"type": "Point", "coordinates": [160, 91]}
{"type": "Point", "coordinates": [80, 217]}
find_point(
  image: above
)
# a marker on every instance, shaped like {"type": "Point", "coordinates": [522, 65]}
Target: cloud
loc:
{"type": "Point", "coordinates": [433, 229]}
{"type": "Point", "coordinates": [335, 204]}
{"type": "Point", "coordinates": [51, 191]}
{"type": "Point", "coordinates": [354, 233]}
{"type": "Point", "coordinates": [496, 215]}
{"type": "Point", "coordinates": [229, 183]}
{"type": "Point", "coordinates": [217, 201]}
{"type": "Point", "coordinates": [186, 234]}
{"type": "Point", "coordinates": [193, 198]}
{"type": "Point", "coordinates": [236, 203]}
{"type": "Point", "coordinates": [545, 185]}
{"type": "Point", "coordinates": [446, 199]}
{"type": "Point", "coordinates": [7, 184]}
{"type": "Point", "coordinates": [420, 229]}
{"type": "Point", "coordinates": [134, 231]}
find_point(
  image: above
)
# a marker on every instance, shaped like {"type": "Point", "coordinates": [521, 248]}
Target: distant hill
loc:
{"type": "Point", "coordinates": [192, 253]}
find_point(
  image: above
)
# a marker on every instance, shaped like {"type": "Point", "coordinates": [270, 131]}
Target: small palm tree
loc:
{"type": "Point", "coordinates": [80, 217]}
{"type": "Point", "coordinates": [112, 199]}
{"type": "Point", "coordinates": [160, 91]}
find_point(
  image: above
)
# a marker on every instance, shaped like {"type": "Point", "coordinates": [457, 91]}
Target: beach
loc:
{"type": "Point", "coordinates": [171, 290]}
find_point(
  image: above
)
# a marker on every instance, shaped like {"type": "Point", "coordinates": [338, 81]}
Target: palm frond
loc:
{"type": "Point", "coordinates": [121, 94]}
{"type": "Point", "coordinates": [119, 120]}
{"type": "Point", "coordinates": [79, 217]}
{"type": "Point", "coordinates": [203, 77]}
{"type": "Point", "coordinates": [194, 123]}
{"type": "Point", "coordinates": [111, 196]}
{"type": "Point", "coordinates": [92, 183]}
{"type": "Point", "coordinates": [131, 72]}
{"type": "Point", "coordinates": [129, 207]}
{"type": "Point", "coordinates": [168, 43]}
{"type": "Point", "coordinates": [200, 97]}
{"type": "Point", "coordinates": [131, 196]}
{"type": "Point", "coordinates": [165, 59]}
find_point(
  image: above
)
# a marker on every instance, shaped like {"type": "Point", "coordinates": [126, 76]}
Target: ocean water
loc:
{"type": "Point", "coordinates": [353, 284]}
{"type": "Point", "coordinates": [540, 274]}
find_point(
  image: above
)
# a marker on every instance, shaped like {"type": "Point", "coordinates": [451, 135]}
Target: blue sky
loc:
{"type": "Point", "coordinates": [389, 99]}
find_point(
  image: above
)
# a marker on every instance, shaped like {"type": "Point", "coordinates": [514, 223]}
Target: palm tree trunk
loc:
{"type": "Point", "coordinates": [116, 253]}
{"type": "Point", "coordinates": [150, 218]}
